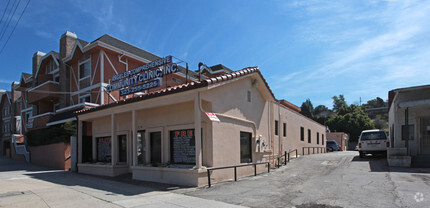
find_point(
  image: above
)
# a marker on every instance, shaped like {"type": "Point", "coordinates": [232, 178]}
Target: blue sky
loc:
{"type": "Point", "coordinates": [304, 49]}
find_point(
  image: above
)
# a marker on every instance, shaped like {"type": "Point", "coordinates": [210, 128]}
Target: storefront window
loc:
{"type": "Point", "coordinates": [104, 149]}
{"type": "Point", "coordinates": [182, 146]}
{"type": "Point", "coordinates": [122, 145]}
{"type": "Point", "coordinates": [141, 147]}
{"type": "Point", "coordinates": [155, 140]}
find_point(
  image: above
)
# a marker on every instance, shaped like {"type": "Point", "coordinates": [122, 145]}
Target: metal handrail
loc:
{"type": "Point", "coordinates": [286, 157]}
{"type": "Point", "coordinates": [235, 171]}
{"type": "Point", "coordinates": [323, 150]}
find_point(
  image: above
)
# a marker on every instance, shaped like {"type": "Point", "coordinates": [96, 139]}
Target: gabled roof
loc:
{"type": "Point", "coordinates": [8, 95]}
{"type": "Point", "coordinates": [127, 47]}
{"type": "Point", "coordinates": [55, 56]}
{"type": "Point", "coordinates": [182, 88]}
{"type": "Point", "coordinates": [392, 93]}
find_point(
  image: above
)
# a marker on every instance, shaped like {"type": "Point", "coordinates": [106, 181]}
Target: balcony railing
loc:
{"type": "Point", "coordinates": [39, 121]}
{"type": "Point", "coordinates": [46, 91]}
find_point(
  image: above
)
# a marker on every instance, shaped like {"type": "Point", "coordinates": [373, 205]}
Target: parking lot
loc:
{"type": "Point", "coordinates": [338, 179]}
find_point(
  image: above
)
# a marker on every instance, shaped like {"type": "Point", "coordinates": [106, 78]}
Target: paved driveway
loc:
{"type": "Point", "coordinates": [339, 179]}
{"type": "Point", "coordinates": [25, 185]}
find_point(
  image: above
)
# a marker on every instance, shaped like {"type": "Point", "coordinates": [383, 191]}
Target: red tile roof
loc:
{"type": "Point", "coordinates": [180, 88]}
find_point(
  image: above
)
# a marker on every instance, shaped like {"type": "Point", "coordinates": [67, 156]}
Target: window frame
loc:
{"type": "Point", "coordinates": [79, 69]}
{"type": "Point", "coordinates": [276, 128]}
{"type": "Point", "coordinates": [284, 126]}
{"type": "Point", "coordinates": [318, 138]}
{"type": "Point", "coordinates": [302, 133]}
{"type": "Point", "coordinates": [84, 96]}
{"type": "Point", "coordinates": [309, 136]}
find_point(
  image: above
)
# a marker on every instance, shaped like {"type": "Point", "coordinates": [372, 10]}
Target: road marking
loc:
{"type": "Point", "coordinates": [18, 178]}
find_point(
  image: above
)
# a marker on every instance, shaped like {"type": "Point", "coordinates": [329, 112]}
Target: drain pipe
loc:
{"type": "Point", "coordinates": [124, 62]}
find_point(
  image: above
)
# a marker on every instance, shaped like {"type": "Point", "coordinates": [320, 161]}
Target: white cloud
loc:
{"type": "Point", "coordinates": [366, 52]}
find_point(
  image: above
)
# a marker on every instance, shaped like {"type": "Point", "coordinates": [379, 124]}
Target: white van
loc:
{"type": "Point", "coordinates": [373, 142]}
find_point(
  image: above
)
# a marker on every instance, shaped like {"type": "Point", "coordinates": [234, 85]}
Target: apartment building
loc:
{"type": "Point", "coordinates": [10, 120]}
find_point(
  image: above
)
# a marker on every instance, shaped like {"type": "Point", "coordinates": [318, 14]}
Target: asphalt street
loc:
{"type": "Point", "coordinates": [339, 179]}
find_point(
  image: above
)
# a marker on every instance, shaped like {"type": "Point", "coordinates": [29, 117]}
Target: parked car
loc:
{"type": "Point", "coordinates": [332, 145]}
{"type": "Point", "coordinates": [373, 142]}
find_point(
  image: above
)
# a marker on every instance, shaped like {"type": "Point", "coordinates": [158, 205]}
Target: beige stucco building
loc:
{"type": "Point", "coordinates": [166, 135]}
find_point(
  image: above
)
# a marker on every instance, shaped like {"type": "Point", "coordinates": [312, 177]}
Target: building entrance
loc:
{"type": "Point", "coordinates": [425, 136]}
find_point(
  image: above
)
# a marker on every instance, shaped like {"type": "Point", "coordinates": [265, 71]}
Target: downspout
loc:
{"type": "Point", "coordinates": [279, 129]}
{"type": "Point", "coordinates": [121, 61]}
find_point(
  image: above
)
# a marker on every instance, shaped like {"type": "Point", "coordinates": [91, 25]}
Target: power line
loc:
{"type": "Point", "coordinates": [9, 20]}
{"type": "Point", "coordinates": [4, 12]}
{"type": "Point", "coordinates": [15, 26]}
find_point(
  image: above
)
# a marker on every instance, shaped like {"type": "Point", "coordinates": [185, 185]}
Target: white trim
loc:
{"type": "Point", "coordinates": [61, 121]}
{"type": "Point", "coordinates": [47, 82]}
{"type": "Point", "coordinates": [40, 115]}
{"type": "Point", "coordinates": [110, 62]}
{"type": "Point", "coordinates": [107, 46]}
{"type": "Point", "coordinates": [74, 76]}
{"type": "Point", "coordinates": [86, 89]}
{"type": "Point", "coordinates": [77, 105]}
{"type": "Point", "coordinates": [79, 70]}
{"type": "Point", "coordinates": [110, 47]}
{"type": "Point", "coordinates": [77, 44]}
{"type": "Point", "coordinates": [84, 96]}
{"type": "Point", "coordinates": [69, 107]}
{"type": "Point", "coordinates": [27, 109]}
{"type": "Point", "coordinates": [55, 71]}
{"type": "Point", "coordinates": [415, 103]}
{"type": "Point", "coordinates": [102, 79]}
{"type": "Point", "coordinates": [95, 69]}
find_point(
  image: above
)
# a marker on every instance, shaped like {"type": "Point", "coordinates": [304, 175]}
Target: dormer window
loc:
{"type": "Point", "coordinates": [50, 67]}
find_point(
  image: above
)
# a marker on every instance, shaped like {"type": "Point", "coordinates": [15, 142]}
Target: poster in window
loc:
{"type": "Point", "coordinates": [182, 146]}
{"type": "Point", "coordinates": [104, 149]}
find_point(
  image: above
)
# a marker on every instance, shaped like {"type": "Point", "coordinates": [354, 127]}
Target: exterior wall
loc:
{"type": "Point", "coordinates": [52, 155]}
{"type": "Point", "coordinates": [294, 121]}
{"type": "Point", "coordinates": [340, 137]}
{"type": "Point", "coordinates": [220, 140]}
{"type": "Point", "coordinates": [231, 99]}
{"type": "Point", "coordinates": [396, 118]}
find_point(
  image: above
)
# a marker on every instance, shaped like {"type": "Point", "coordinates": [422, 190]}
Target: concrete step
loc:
{"type": "Point", "coordinates": [421, 161]}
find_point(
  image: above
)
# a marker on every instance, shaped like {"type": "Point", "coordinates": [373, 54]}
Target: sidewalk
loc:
{"type": "Point", "coordinates": [27, 185]}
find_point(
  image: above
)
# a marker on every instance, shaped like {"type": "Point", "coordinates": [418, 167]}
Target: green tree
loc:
{"type": "Point", "coordinates": [307, 109]}
{"type": "Point", "coordinates": [338, 102]}
{"type": "Point", "coordinates": [350, 119]}
{"type": "Point", "coordinates": [376, 103]}
{"type": "Point", "coordinates": [320, 109]}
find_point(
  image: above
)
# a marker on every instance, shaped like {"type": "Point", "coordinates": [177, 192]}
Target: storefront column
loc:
{"type": "Point", "coordinates": [113, 146]}
{"type": "Point", "coordinates": [79, 141]}
{"type": "Point", "coordinates": [94, 142]}
{"type": "Point", "coordinates": [197, 131]}
{"type": "Point", "coordinates": [134, 138]}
